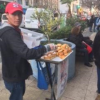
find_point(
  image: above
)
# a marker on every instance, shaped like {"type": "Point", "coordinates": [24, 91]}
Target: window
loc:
{"type": "Point", "coordinates": [4, 17]}
{"type": "Point", "coordinates": [27, 2]}
{"type": "Point", "coordinates": [19, 1]}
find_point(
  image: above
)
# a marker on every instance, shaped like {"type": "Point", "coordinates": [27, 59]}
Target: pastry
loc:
{"type": "Point", "coordinates": [65, 54]}
{"type": "Point", "coordinates": [65, 51]}
{"type": "Point", "coordinates": [60, 50]}
{"type": "Point", "coordinates": [63, 46]}
{"type": "Point", "coordinates": [58, 45]}
{"type": "Point", "coordinates": [60, 53]}
{"type": "Point", "coordinates": [47, 58]}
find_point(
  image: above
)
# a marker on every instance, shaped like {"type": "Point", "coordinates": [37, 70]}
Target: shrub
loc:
{"type": "Point", "coordinates": [83, 25]}
{"type": "Point", "coordinates": [65, 31]}
{"type": "Point", "coordinates": [71, 22]}
{"type": "Point", "coordinates": [61, 33]}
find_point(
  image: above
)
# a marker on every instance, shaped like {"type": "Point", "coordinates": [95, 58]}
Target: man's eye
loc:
{"type": "Point", "coordinates": [17, 13]}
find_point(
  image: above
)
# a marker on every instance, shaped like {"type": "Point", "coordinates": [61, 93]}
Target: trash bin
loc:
{"type": "Point", "coordinates": [31, 38]}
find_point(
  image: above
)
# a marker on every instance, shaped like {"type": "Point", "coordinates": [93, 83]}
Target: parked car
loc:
{"type": "Point", "coordinates": [3, 18]}
{"type": "Point", "coordinates": [23, 21]}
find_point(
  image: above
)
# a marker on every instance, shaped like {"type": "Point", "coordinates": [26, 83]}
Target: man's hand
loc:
{"type": "Point", "coordinates": [50, 46]}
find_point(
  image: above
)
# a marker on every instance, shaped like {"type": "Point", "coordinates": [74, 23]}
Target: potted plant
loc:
{"type": "Point", "coordinates": [47, 21]}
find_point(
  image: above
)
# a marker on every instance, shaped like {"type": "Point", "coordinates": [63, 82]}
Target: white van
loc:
{"type": "Point", "coordinates": [4, 20]}
{"type": "Point", "coordinates": [23, 21]}
{"type": "Point", "coordinates": [31, 22]}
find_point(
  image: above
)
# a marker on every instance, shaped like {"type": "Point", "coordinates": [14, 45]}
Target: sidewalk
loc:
{"type": "Point", "coordinates": [81, 87]}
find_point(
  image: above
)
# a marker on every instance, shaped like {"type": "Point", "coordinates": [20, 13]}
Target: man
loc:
{"type": "Point", "coordinates": [15, 67]}
{"type": "Point", "coordinates": [98, 23]}
{"type": "Point", "coordinates": [95, 18]}
{"type": "Point", "coordinates": [96, 51]}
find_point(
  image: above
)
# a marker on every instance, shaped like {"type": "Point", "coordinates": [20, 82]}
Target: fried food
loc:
{"type": "Point", "coordinates": [61, 51]}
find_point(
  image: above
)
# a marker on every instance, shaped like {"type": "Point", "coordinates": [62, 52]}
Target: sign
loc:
{"type": "Point", "coordinates": [80, 10]}
{"type": "Point", "coordinates": [62, 77]}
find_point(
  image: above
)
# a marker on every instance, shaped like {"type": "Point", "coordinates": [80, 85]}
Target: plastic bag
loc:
{"type": "Point", "coordinates": [43, 79]}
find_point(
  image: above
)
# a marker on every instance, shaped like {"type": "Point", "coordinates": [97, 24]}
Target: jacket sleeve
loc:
{"type": "Point", "coordinates": [15, 42]}
{"type": "Point", "coordinates": [77, 41]}
{"type": "Point", "coordinates": [96, 46]}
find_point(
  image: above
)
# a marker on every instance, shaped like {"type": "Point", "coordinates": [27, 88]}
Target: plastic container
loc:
{"type": "Point", "coordinates": [71, 67]}
{"type": "Point", "coordinates": [71, 58]}
{"type": "Point", "coordinates": [31, 38]}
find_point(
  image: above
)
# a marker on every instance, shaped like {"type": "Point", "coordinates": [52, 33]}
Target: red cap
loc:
{"type": "Point", "coordinates": [13, 7]}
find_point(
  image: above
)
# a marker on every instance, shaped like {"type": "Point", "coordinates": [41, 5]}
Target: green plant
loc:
{"type": "Point", "coordinates": [65, 31]}
{"type": "Point", "coordinates": [61, 33]}
{"type": "Point", "coordinates": [46, 19]}
{"type": "Point", "coordinates": [71, 21]}
{"type": "Point", "coordinates": [83, 25]}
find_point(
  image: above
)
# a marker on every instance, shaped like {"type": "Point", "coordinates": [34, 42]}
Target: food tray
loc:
{"type": "Point", "coordinates": [56, 59]}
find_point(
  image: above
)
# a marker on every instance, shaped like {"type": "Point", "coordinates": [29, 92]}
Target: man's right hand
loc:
{"type": "Point", "coordinates": [50, 47]}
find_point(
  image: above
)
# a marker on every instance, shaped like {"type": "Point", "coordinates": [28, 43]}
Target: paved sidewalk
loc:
{"type": "Point", "coordinates": [90, 34]}
{"type": "Point", "coordinates": [81, 87]}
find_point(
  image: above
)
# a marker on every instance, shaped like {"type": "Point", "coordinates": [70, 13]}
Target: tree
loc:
{"type": "Point", "coordinates": [47, 20]}
{"type": "Point", "coordinates": [67, 1]}
{"type": "Point", "coordinates": [69, 5]}
{"type": "Point", "coordinates": [91, 4]}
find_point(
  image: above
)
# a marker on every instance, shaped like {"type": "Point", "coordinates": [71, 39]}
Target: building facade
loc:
{"type": "Point", "coordinates": [52, 4]}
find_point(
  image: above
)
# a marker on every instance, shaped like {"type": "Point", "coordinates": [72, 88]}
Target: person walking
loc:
{"type": "Point", "coordinates": [95, 18]}
{"type": "Point", "coordinates": [98, 23]}
{"type": "Point", "coordinates": [91, 23]}
{"type": "Point", "coordinates": [96, 52]}
{"type": "Point", "coordinates": [15, 53]}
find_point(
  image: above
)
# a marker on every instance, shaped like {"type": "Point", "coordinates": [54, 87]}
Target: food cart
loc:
{"type": "Point", "coordinates": [60, 75]}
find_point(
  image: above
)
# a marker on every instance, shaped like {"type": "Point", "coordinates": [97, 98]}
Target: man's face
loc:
{"type": "Point", "coordinates": [15, 19]}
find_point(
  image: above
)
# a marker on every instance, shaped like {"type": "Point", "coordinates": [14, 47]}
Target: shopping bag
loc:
{"type": "Point", "coordinates": [43, 79]}
{"type": "Point", "coordinates": [89, 48]}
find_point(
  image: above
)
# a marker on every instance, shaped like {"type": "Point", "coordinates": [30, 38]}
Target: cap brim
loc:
{"type": "Point", "coordinates": [11, 12]}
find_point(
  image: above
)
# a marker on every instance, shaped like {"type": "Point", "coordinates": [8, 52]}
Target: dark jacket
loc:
{"type": "Point", "coordinates": [96, 49]}
{"type": "Point", "coordinates": [85, 39]}
{"type": "Point", "coordinates": [91, 21]}
{"type": "Point", "coordinates": [76, 40]}
{"type": "Point", "coordinates": [15, 54]}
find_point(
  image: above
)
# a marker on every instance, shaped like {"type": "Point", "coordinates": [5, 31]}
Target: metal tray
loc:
{"type": "Point", "coordinates": [56, 60]}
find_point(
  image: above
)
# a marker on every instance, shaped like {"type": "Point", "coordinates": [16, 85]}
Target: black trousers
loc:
{"type": "Point", "coordinates": [87, 56]}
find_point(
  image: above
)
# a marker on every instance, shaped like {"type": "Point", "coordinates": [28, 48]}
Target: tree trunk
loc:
{"type": "Point", "coordinates": [48, 38]}
{"type": "Point", "coordinates": [69, 14]}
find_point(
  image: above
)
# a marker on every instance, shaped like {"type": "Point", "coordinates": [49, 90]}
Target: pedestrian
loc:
{"type": "Point", "coordinates": [91, 23]}
{"type": "Point", "coordinates": [15, 53]}
{"type": "Point", "coordinates": [95, 18]}
{"type": "Point", "coordinates": [98, 23]}
{"type": "Point", "coordinates": [96, 52]}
